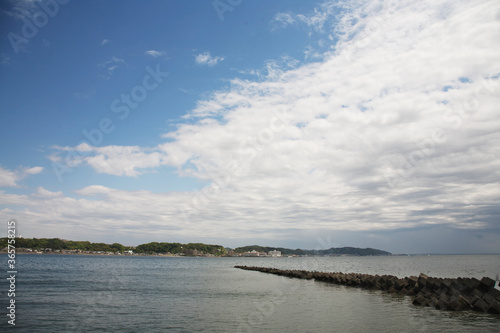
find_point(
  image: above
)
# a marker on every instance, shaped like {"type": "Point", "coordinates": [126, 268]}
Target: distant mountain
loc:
{"type": "Point", "coordinates": [334, 251]}
{"type": "Point", "coordinates": [353, 251]}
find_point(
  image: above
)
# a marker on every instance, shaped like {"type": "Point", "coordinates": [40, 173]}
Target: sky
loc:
{"type": "Point", "coordinates": [299, 124]}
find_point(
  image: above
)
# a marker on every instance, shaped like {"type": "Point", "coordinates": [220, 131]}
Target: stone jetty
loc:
{"type": "Point", "coordinates": [441, 293]}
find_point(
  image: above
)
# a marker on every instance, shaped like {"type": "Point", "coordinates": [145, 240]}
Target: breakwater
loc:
{"type": "Point", "coordinates": [441, 293]}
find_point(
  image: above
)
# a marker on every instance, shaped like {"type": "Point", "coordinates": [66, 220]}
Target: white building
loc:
{"type": "Point", "coordinates": [274, 253]}
{"type": "Point", "coordinates": [254, 253]}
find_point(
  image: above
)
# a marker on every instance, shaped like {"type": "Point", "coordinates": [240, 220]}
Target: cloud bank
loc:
{"type": "Point", "coordinates": [395, 129]}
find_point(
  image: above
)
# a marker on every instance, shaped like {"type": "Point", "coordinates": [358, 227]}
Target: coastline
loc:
{"type": "Point", "coordinates": [89, 253]}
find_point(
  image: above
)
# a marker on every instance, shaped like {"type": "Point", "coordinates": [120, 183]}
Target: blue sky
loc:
{"type": "Point", "coordinates": [288, 123]}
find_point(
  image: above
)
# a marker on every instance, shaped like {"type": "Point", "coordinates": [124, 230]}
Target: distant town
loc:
{"type": "Point", "coordinates": [192, 253]}
{"type": "Point", "coordinates": [253, 253]}
{"type": "Point", "coordinates": [63, 246]}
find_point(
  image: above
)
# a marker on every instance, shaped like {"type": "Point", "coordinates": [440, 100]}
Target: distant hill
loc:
{"type": "Point", "coordinates": [60, 244]}
{"type": "Point", "coordinates": [266, 249]}
{"type": "Point", "coordinates": [187, 249]}
{"type": "Point", "coordinates": [334, 251]}
{"type": "Point", "coordinates": [149, 248]}
{"type": "Point", "coordinates": [353, 251]}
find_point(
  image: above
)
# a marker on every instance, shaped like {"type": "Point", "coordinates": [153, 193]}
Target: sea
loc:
{"type": "Point", "coordinates": [78, 293]}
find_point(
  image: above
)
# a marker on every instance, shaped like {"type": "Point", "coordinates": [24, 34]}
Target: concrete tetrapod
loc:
{"type": "Point", "coordinates": [443, 294]}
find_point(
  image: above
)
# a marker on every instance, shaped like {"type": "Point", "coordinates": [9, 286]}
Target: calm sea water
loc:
{"type": "Point", "coordinates": [58, 293]}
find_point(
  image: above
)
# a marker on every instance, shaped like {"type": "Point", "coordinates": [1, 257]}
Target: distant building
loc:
{"type": "Point", "coordinates": [254, 253]}
{"type": "Point", "coordinates": [274, 253]}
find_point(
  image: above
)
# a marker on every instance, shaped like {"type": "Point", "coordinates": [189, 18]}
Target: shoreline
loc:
{"type": "Point", "coordinates": [109, 254]}
{"type": "Point", "coordinates": [236, 256]}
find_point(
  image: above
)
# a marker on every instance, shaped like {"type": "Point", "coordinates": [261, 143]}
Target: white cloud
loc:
{"type": "Point", "coordinates": [23, 8]}
{"type": "Point", "coordinates": [7, 178]}
{"type": "Point", "coordinates": [273, 68]}
{"type": "Point", "coordinates": [206, 59]}
{"type": "Point", "coordinates": [41, 192]}
{"type": "Point", "coordinates": [110, 212]}
{"type": "Point", "coordinates": [283, 20]}
{"type": "Point", "coordinates": [154, 53]}
{"type": "Point", "coordinates": [129, 161]}
{"type": "Point", "coordinates": [325, 14]}
{"type": "Point", "coordinates": [105, 41]}
{"type": "Point", "coordinates": [10, 178]}
{"type": "Point", "coordinates": [33, 171]}
{"type": "Point", "coordinates": [111, 65]}
{"type": "Point", "coordinates": [114, 60]}
{"type": "Point", "coordinates": [384, 133]}
{"type": "Point", "coordinates": [358, 149]}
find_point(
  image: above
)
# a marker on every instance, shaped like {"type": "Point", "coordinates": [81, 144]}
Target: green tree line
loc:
{"type": "Point", "coordinates": [352, 251]}
{"type": "Point", "coordinates": [334, 251]}
{"type": "Point", "coordinates": [174, 248]}
{"type": "Point", "coordinates": [187, 249]}
{"type": "Point", "coordinates": [59, 244]}
{"type": "Point", "coordinates": [149, 248]}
